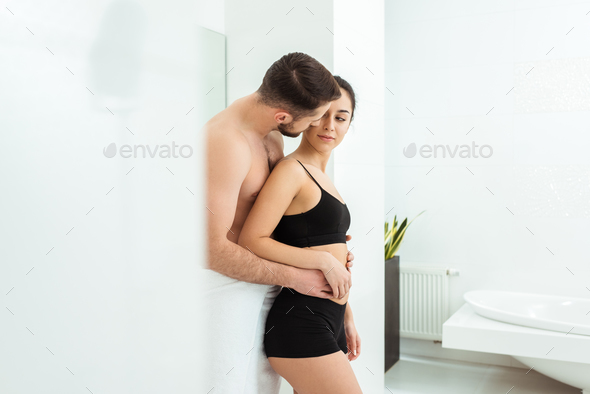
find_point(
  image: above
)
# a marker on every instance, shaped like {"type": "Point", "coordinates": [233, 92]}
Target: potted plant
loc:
{"type": "Point", "coordinates": [393, 240]}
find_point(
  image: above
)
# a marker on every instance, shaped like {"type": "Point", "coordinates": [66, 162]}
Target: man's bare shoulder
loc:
{"type": "Point", "coordinates": [222, 125]}
{"type": "Point", "coordinates": [224, 135]}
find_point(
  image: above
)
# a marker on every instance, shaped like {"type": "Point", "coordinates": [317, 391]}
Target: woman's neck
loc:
{"type": "Point", "coordinates": [307, 153]}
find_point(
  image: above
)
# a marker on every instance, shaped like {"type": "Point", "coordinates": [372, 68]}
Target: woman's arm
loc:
{"type": "Point", "coordinates": [353, 339]}
{"type": "Point", "coordinates": [282, 185]}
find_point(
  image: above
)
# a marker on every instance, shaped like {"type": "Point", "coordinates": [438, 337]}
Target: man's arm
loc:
{"type": "Point", "coordinates": [228, 163]}
{"type": "Point", "coordinates": [232, 260]}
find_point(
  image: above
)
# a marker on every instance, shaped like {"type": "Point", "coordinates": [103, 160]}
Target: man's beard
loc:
{"type": "Point", "coordinates": [287, 130]}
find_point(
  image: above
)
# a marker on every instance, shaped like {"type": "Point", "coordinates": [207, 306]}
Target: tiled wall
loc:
{"type": "Point", "coordinates": [512, 75]}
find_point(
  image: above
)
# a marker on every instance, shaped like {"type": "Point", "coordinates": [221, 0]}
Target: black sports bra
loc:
{"type": "Point", "coordinates": [326, 223]}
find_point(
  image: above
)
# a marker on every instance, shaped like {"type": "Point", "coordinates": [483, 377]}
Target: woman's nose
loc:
{"type": "Point", "coordinates": [329, 125]}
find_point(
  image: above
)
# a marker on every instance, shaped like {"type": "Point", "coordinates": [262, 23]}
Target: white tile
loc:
{"type": "Point", "coordinates": [476, 8]}
{"type": "Point", "coordinates": [419, 44]}
{"type": "Point", "coordinates": [413, 374]}
{"type": "Point", "coordinates": [410, 11]}
{"type": "Point", "coordinates": [481, 90]}
{"type": "Point", "coordinates": [490, 136]}
{"type": "Point", "coordinates": [482, 39]}
{"type": "Point", "coordinates": [524, 4]}
{"type": "Point", "coordinates": [399, 11]}
{"type": "Point", "coordinates": [418, 93]}
{"type": "Point", "coordinates": [552, 85]}
{"type": "Point", "coordinates": [426, 348]}
{"type": "Point", "coordinates": [552, 192]}
{"type": "Point", "coordinates": [428, 375]}
{"type": "Point", "coordinates": [552, 140]}
{"type": "Point", "coordinates": [542, 33]}
{"type": "Point", "coordinates": [425, 375]}
{"type": "Point", "coordinates": [471, 210]}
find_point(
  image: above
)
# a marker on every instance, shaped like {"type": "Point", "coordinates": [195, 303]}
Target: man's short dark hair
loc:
{"type": "Point", "coordinates": [298, 83]}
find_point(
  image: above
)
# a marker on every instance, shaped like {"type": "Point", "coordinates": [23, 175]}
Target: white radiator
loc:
{"type": "Point", "coordinates": [424, 300]}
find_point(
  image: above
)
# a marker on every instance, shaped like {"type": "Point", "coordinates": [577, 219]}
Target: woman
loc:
{"type": "Point", "coordinates": [309, 341]}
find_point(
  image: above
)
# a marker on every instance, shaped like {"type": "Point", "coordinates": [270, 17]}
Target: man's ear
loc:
{"type": "Point", "coordinates": [283, 117]}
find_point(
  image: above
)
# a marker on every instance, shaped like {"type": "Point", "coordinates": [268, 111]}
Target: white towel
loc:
{"type": "Point", "coordinates": [262, 379]}
{"type": "Point", "coordinates": [235, 317]}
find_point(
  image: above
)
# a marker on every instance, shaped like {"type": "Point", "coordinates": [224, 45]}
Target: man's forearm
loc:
{"type": "Point", "coordinates": [232, 260]}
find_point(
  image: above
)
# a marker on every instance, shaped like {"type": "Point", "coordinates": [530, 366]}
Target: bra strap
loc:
{"type": "Point", "coordinates": [316, 182]}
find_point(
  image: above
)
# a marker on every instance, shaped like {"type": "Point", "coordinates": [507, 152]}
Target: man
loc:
{"type": "Point", "coordinates": [243, 145]}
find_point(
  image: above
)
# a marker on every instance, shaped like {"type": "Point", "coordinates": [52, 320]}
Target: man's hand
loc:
{"type": "Point", "coordinates": [349, 256]}
{"type": "Point", "coordinates": [312, 283]}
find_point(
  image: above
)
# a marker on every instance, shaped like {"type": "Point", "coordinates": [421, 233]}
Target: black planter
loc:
{"type": "Point", "coordinates": [391, 312]}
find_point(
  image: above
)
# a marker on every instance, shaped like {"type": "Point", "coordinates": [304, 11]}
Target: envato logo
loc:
{"type": "Point", "coordinates": [465, 151]}
{"type": "Point", "coordinates": [163, 151]}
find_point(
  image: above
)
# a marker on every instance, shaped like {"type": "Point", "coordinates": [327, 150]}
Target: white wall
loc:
{"type": "Point", "coordinates": [359, 176]}
{"type": "Point", "coordinates": [519, 219]}
{"type": "Point", "coordinates": [277, 28]}
{"type": "Point", "coordinates": [99, 256]}
{"type": "Point", "coordinates": [259, 33]}
{"type": "Point", "coordinates": [211, 15]}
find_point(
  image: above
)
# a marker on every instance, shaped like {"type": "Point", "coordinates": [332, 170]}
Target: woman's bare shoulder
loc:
{"type": "Point", "coordinates": [287, 171]}
{"type": "Point", "coordinates": [287, 165]}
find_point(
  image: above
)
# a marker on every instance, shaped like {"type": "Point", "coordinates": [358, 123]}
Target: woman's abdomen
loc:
{"type": "Point", "coordinates": [340, 252]}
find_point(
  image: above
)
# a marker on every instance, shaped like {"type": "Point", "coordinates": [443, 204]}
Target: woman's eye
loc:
{"type": "Point", "coordinates": [341, 119]}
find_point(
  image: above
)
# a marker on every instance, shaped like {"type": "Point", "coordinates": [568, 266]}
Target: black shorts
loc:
{"type": "Point", "coordinates": [300, 326]}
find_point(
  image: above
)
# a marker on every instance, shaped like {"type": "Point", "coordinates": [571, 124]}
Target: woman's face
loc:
{"type": "Point", "coordinates": [331, 129]}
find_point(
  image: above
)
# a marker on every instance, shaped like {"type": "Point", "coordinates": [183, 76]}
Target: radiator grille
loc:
{"type": "Point", "coordinates": [424, 301]}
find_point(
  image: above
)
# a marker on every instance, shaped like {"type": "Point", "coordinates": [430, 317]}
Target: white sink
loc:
{"type": "Point", "coordinates": [548, 312]}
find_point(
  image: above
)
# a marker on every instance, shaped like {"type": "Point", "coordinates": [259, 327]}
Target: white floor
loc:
{"type": "Point", "coordinates": [424, 375]}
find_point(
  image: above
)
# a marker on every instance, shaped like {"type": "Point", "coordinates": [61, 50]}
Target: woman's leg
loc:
{"type": "Point", "coordinates": [327, 374]}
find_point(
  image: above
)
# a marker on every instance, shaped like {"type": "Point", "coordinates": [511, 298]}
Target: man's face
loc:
{"type": "Point", "coordinates": [294, 128]}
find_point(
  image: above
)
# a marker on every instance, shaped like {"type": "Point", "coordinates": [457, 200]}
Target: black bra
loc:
{"type": "Point", "coordinates": [326, 223]}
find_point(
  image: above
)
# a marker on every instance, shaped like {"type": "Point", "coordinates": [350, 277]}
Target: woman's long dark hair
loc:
{"type": "Point", "coordinates": [346, 86]}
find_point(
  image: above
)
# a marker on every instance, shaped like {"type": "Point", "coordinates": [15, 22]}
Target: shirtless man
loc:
{"type": "Point", "coordinates": [243, 145]}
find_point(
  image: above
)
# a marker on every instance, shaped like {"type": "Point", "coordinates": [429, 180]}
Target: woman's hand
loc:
{"type": "Point", "coordinates": [353, 340]}
{"type": "Point", "coordinates": [337, 276]}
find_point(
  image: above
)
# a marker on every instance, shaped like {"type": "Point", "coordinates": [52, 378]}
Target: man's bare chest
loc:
{"type": "Point", "coordinates": [264, 158]}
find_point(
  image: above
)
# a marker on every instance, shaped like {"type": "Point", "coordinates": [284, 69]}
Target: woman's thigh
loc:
{"type": "Point", "coordinates": [327, 374]}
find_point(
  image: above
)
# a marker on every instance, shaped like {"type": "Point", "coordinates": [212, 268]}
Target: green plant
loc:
{"type": "Point", "coordinates": [394, 235]}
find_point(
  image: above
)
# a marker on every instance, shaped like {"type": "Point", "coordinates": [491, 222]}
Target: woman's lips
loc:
{"type": "Point", "coordinates": [326, 138]}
